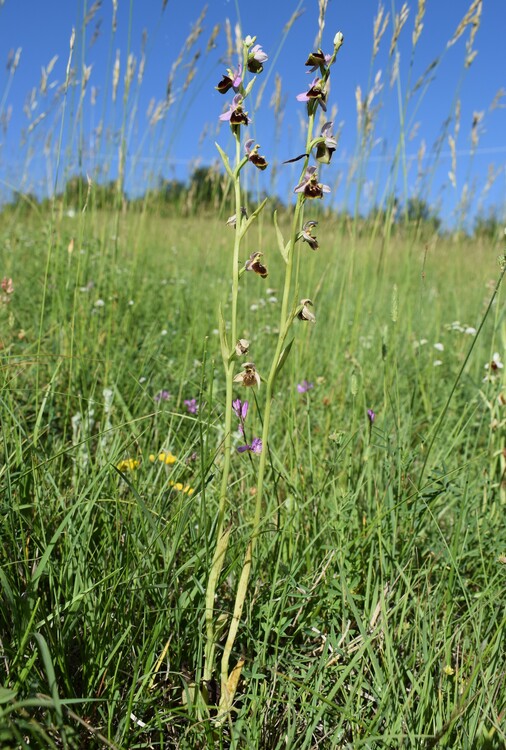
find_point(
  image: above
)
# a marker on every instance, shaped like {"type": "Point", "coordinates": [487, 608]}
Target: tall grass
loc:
{"type": "Point", "coordinates": [374, 616]}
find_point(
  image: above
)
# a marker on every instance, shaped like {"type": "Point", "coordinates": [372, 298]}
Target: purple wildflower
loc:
{"type": "Point", "coordinates": [305, 386]}
{"type": "Point", "coordinates": [256, 59]}
{"type": "Point", "coordinates": [253, 264]}
{"type": "Point", "coordinates": [371, 416]}
{"type": "Point", "coordinates": [317, 60]}
{"type": "Point", "coordinates": [327, 146]}
{"type": "Point", "coordinates": [241, 412]}
{"type": "Point", "coordinates": [240, 409]}
{"type": "Point", "coordinates": [306, 234]}
{"type": "Point", "coordinates": [253, 155]}
{"type": "Point", "coordinates": [232, 80]}
{"type": "Point", "coordinates": [254, 447]}
{"type": "Point", "coordinates": [310, 185]}
{"type": "Point", "coordinates": [162, 395]}
{"type": "Point", "coordinates": [191, 405]}
{"type": "Point", "coordinates": [236, 115]}
{"type": "Point", "coordinates": [315, 93]}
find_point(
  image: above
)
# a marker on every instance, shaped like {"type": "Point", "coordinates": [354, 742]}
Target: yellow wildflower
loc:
{"type": "Point", "coordinates": [128, 464]}
{"type": "Point", "coordinates": [180, 487]}
{"type": "Point", "coordinates": [165, 457]}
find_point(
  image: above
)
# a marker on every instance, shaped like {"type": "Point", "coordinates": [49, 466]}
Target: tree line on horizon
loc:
{"type": "Point", "coordinates": [208, 191]}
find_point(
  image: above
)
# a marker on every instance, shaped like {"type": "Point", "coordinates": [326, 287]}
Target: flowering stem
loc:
{"type": "Point", "coordinates": [285, 321]}
{"type": "Point", "coordinates": [221, 537]}
{"type": "Point", "coordinates": [284, 326]}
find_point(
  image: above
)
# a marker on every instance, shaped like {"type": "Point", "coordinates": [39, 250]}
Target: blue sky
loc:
{"type": "Point", "coordinates": [186, 135]}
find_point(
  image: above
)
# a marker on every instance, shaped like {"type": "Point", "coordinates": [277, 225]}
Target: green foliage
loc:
{"type": "Point", "coordinates": [375, 616]}
{"type": "Point", "coordinates": [488, 225]}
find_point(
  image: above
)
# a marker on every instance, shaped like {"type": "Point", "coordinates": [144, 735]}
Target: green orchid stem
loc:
{"type": "Point", "coordinates": [221, 536]}
{"type": "Point", "coordinates": [285, 321]}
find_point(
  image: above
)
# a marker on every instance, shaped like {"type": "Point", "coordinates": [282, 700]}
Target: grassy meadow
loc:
{"type": "Point", "coordinates": [374, 611]}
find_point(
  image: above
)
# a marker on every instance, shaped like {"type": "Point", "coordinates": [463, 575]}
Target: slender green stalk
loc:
{"type": "Point", "coordinates": [285, 322]}
{"type": "Point", "coordinates": [228, 362]}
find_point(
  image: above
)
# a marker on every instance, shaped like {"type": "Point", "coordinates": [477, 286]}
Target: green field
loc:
{"type": "Point", "coordinates": [375, 612]}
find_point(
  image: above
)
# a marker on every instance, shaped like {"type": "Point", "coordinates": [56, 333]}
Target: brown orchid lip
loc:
{"type": "Point", "coordinates": [224, 85]}
{"type": "Point", "coordinates": [305, 313]}
{"type": "Point", "coordinates": [253, 264]}
{"type": "Point", "coordinates": [242, 347]}
{"type": "Point", "coordinates": [239, 117]}
{"type": "Point", "coordinates": [249, 376]}
{"type": "Point", "coordinates": [313, 190]}
{"type": "Point", "coordinates": [258, 161]}
{"type": "Point", "coordinates": [259, 269]}
{"type": "Point", "coordinates": [316, 58]}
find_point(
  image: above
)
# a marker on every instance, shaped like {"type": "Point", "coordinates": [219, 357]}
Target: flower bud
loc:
{"type": "Point", "coordinates": [338, 40]}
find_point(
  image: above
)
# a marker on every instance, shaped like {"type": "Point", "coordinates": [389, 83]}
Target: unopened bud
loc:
{"type": "Point", "coordinates": [338, 40]}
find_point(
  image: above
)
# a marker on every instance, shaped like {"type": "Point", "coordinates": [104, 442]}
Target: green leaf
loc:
{"type": "Point", "coordinates": [283, 356]}
{"type": "Point", "coordinates": [38, 422]}
{"type": "Point", "coordinates": [248, 88]}
{"type": "Point", "coordinates": [283, 249]}
{"type": "Point", "coordinates": [6, 695]}
{"type": "Point", "coordinates": [225, 160]}
{"type": "Point", "coordinates": [51, 677]}
{"type": "Point", "coordinates": [253, 216]}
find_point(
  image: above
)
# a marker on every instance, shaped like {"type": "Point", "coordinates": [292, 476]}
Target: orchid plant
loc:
{"type": "Point", "coordinates": [233, 348]}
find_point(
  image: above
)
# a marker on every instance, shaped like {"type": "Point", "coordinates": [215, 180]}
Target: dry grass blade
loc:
{"type": "Point", "coordinates": [475, 129]}
{"type": "Point", "coordinates": [394, 74]}
{"type": "Point", "coordinates": [197, 29]}
{"type": "Point", "coordinates": [469, 18]}
{"type": "Point", "coordinates": [276, 100]}
{"type": "Point", "coordinates": [13, 60]}
{"type": "Point", "coordinates": [452, 174]}
{"type": "Point", "coordinates": [379, 27]}
{"type": "Point", "coordinates": [458, 108]}
{"type": "Point", "coordinates": [295, 15]}
{"type": "Point", "coordinates": [89, 16]}
{"type": "Point", "coordinates": [414, 131]}
{"type": "Point", "coordinates": [425, 78]}
{"type": "Point", "coordinates": [420, 13]}
{"type": "Point", "coordinates": [497, 100]}
{"type": "Point", "coordinates": [228, 33]}
{"type": "Point", "coordinates": [322, 9]}
{"type": "Point", "coordinates": [37, 120]}
{"type": "Point", "coordinates": [115, 75]}
{"type": "Point", "coordinates": [238, 39]}
{"type": "Point", "coordinates": [399, 21]}
{"type": "Point", "coordinates": [211, 44]}
{"type": "Point", "coordinates": [420, 156]}
{"type": "Point", "coordinates": [130, 69]}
